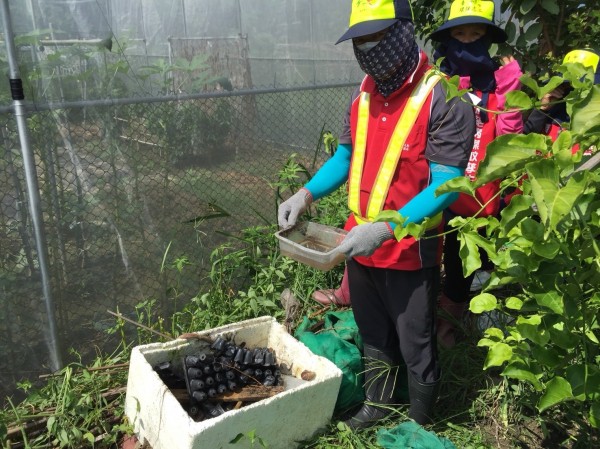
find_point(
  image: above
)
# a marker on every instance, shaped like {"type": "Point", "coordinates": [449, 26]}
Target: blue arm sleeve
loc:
{"type": "Point", "coordinates": [332, 174]}
{"type": "Point", "coordinates": [426, 204]}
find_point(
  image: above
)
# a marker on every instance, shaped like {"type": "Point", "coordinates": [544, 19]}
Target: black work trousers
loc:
{"type": "Point", "coordinates": [395, 309]}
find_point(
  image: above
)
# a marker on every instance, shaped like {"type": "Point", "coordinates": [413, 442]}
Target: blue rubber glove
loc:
{"type": "Point", "coordinates": [292, 208]}
{"type": "Point", "coordinates": [364, 239]}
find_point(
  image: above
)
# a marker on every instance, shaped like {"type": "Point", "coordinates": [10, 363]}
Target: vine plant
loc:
{"type": "Point", "coordinates": [546, 243]}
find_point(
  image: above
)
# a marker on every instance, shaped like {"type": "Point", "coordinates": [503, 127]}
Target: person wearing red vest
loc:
{"type": "Point", "coordinates": [463, 43]}
{"type": "Point", "coordinates": [400, 141]}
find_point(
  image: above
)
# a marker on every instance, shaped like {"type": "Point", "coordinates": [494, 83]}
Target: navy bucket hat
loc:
{"type": "Point", "coordinates": [465, 12]}
{"type": "Point", "coordinates": [371, 16]}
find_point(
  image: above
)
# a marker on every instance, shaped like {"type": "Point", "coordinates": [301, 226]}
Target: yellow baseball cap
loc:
{"type": "Point", "coordinates": [464, 12]}
{"type": "Point", "coordinates": [587, 58]}
{"type": "Point", "coordinates": [371, 16]}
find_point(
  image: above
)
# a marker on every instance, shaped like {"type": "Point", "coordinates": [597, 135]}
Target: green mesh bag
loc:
{"type": "Point", "coordinates": [410, 435]}
{"type": "Point", "coordinates": [338, 340]}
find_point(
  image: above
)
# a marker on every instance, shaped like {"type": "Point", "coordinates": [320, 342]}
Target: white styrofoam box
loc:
{"type": "Point", "coordinates": [296, 414]}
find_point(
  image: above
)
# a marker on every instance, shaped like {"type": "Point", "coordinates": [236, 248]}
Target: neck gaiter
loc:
{"type": "Point", "coordinates": [393, 59]}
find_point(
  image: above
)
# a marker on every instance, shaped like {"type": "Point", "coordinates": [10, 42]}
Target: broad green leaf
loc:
{"type": "Point", "coordinates": [586, 113]}
{"type": "Point", "coordinates": [50, 424]}
{"type": "Point", "coordinates": [521, 265]}
{"type": "Point", "coordinates": [592, 337]}
{"type": "Point", "coordinates": [551, 6]}
{"type": "Point", "coordinates": [533, 32]}
{"type": "Point", "coordinates": [522, 372]}
{"type": "Point", "coordinates": [576, 375]}
{"type": "Point", "coordinates": [526, 6]}
{"type": "Point", "coordinates": [392, 216]}
{"type": "Point", "coordinates": [514, 303]}
{"type": "Point", "coordinates": [494, 333]}
{"type": "Point", "coordinates": [549, 356]}
{"type": "Point", "coordinates": [543, 176]}
{"type": "Point", "coordinates": [592, 385]}
{"type": "Point", "coordinates": [511, 31]}
{"type": "Point", "coordinates": [518, 210]}
{"type": "Point", "coordinates": [551, 299]}
{"type": "Point", "coordinates": [532, 83]}
{"type": "Point", "coordinates": [63, 437]}
{"type": "Point", "coordinates": [566, 160]}
{"type": "Point", "coordinates": [469, 254]}
{"type": "Point", "coordinates": [594, 414]}
{"type": "Point", "coordinates": [563, 338]}
{"type": "Point", "coordinates": [534, 333]}
{"type": "Point", "coordinates": [566, 198]}
{"type": "Point", "coordinates": [516, 99]}
{"type": "Point", "coordinates": [557, 390]}
{"type": "Point", "coordinates": [88, 436]}
{"type": "Point", "coordinates": [470, 242]}
{"type": "Point", "coordinates": [562, 142]}
{"type": "Point", "coordinates": [459, 184]}
{"type": "Point", "coordinates": [547, 250]}
{"type": "Point", "coordinates": [552, 84]}
{"type": "Point", "coordinates": [483, 342]}
{"type": "Point", "coordinates": [532, 230]}
{"type": "Point", "coordinates": [534, 320]}
{"type": "Point", "coordinates": [498, 354]}
{"type": "Point", "coordinates": [508, 153]}
{"type": "Point", "coordinates": [483, 302]}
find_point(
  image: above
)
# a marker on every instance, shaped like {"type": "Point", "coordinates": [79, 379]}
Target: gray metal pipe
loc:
{"type": "Point", "coordinates": [33, 192]}
{"type": "Point", "coordinates": [52, 106]}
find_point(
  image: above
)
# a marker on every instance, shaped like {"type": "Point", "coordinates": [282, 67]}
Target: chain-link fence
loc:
{"type": "Point", "coordinates": [122, 182]}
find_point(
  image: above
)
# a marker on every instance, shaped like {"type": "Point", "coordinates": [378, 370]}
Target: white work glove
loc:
{"type": "Point", "coordinates": [293, 207]}
{"type": "Point", "coordinates": [364, 239]}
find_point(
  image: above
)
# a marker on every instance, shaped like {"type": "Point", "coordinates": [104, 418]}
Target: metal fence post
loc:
{"type": "Point", "coordinates": [33, 193]}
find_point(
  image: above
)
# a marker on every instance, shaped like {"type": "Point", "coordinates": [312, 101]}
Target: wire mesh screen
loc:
{"type": "Point", "coordinates": [122, 183]}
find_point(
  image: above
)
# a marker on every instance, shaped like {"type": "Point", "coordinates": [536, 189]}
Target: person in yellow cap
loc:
{"type": "Point", "coordinates": [464, 41]}
{"type": "Point", "coordinates": [550, 119]}
{"type": "Point", "coordinates": [553, 113]}
{"type": "Point", "coordinates": [399, 142]}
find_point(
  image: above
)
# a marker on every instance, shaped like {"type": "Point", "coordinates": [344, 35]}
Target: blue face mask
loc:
{"type": "Point", "coordinates": [472, 59]}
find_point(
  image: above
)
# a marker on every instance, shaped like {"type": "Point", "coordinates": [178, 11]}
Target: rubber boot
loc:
{"type": "Point", "coordinates": [422, 399]}
{"type": "Point", "coordinates": [453, 313]}
{"type": "Point", "coordinates": [381, 369]}
{"type": "Point", "coordinates": [337, 297]}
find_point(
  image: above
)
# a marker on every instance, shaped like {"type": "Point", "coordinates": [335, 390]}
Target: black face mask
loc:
{"type": "Point", "coordinates": [472, 59]}
{"type": "Point", "coordinates": [393, 59]}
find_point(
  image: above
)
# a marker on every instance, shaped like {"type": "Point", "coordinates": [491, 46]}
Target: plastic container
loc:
{"type": "Point", "coordinates": [312, 244]}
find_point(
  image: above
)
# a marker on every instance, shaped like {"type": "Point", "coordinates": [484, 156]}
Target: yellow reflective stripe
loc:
{"type": "Point", "coordinates": [388, 166]}
{"type": "Point", "coordinates": [360, 220]}
{"type": "Point", "coordinates": [364, 11]}
{"type": "Point", "coordinates": [358, 153]}
{"type": "Point", "coordinates": [463, 8]}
